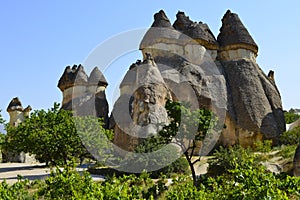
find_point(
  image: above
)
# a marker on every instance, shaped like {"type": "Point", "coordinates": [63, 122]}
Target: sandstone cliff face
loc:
{"type": "Point", "coordinates": [84, 94]}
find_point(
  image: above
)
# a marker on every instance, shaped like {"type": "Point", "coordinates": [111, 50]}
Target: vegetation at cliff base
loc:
{"type": "Point", "coordinates": [240, 176]}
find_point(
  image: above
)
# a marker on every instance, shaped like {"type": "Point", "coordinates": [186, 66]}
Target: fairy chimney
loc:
{"type": "Point", "coordinates": [83, 94]}
{"type": "Point", "coordinates": [16, 112]}
{"type": "Point", "coordinates": [140, 110]}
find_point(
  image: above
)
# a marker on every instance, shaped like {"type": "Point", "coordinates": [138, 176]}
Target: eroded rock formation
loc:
{"type": "Point", "coordinates": [16, 112]}
{"type": "Point", "coordinates": [140, 110]}
{"type": "Point", "coordinates": [186, 62]}
{"type": "Point", "coordinates": [84, 94]}
{"type": "Point", "coordinates": [254, 102]}
{"type": "Point", "coordinates": [219, 69]}
{"type": "Point", "coordinates": [17, 115]}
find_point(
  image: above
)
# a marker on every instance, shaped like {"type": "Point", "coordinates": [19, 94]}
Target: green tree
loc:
{"type": "Point", "coordinates": [291, 116]}
{"type": "Point", "coordinates": [49, 135]}
{"type": "Point", "coordinates": [186, 129]}
{"type": "Point", "coordinates": [2, 135]}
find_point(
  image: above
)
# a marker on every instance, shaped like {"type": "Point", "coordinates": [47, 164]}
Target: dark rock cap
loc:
{"type": "Point", "coordinates": [72, 76]}
{"type": "Point", "coordinates": [198, 31]}
{"type": "Point", "coordinates": [161, 20]}
{"type": "Point", "coordinates": [234, 35]}
{"type": "Point", "coordinates": [97, 78]}
{"type": "Point", "coordinates": [27, 109]}
{"type": "Point", "coordinates": [182, 21]}
{"type": "Point", "coordinates": [15, 105]}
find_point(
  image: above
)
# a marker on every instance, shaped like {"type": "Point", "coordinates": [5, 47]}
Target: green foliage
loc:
{"type": "Point", "coordinates": [263, 146]}
{"type": "Point", "coordinates": [187, 124]}
{"type": "Point", "coordinates": [291, 137]}
{"type": "Point", "coordinates": [291, 116]}
{"type": "Point", "coordinates": [287, 151]}
{"type": "Point", "coordinates": [50, 135]}
{"type": "Point", "coordinates": [69, 184]}
{"type": "Point", "coordinates": [2, 135]}
{"type": "Point", "coordinates": [186, 127]}
{"type": "Point", "coordinates": [2, 121]}
{"type": "Point", "coordinates": [183, 188]}
{"type": "Point", "coordinates": [238, 182]}
{"type": "Point", "coordinates": [18, 190]}
{"type": "Point", "coordinates": [96, 139]}
{"type": "Point", "coordinates": [232, 158]}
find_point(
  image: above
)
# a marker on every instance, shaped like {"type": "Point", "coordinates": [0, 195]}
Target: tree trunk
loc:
{"type": "Point", "coordinates": [189, 159]}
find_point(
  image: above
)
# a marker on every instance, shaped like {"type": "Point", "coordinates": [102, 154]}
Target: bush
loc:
{"type": "Point", "coordinates": [69, 184]}
{"type": "Point", "coordinates": [18, 190]}
{"type": "Point", "coordinates": [180, 166]}
{"type": "Point", "coordinates": [291, 116]}
{"type": "Point", "coordinates": [291, 137]}
{"type": "Point", "coordinates": [263, 146]}
{"type": "Point", "coordinates": [232, 158]}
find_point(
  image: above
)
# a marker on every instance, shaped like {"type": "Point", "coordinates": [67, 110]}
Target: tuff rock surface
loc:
{"type": "Point", "coordinates": [84, 94]}
{"type": "Point", "coordinates": [140, 111]}
{"type": "Point", "coordinates": [17, 115]}
{"type": "Point", "coordinates": [223, 73]}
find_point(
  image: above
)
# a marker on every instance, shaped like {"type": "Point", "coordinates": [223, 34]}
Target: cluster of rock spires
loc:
{"type": "Point", "coordinates": [185, 62]}
{"type": "Point", "coordinates": [84, 94]}
{"type": "Point", "coordinates": [182, 60]}
{"type": "Point", "coordinates": [16, 112]}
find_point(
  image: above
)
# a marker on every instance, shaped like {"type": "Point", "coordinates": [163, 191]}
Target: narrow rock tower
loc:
{"type": "Point", "coordinates": [140, 110]}
{"type": "Point", "coordinates": [16, 112]}
{"type": "Point", "coordinates": [17, 115]}
{"type": "Point", "coordinates": [254, 102]}
{"type": "Point", "coordinates": [83, 94]}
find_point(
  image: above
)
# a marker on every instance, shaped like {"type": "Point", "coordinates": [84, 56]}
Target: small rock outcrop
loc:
{"type": "Point", "coordinates": [296, 162]}
{"type": "Point", "coordinates": [84, 94]}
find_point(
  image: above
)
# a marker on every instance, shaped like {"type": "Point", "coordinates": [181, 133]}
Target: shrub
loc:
{"type": "Point", "coordinates": [232, 158]}
{"type": "Point", "coordinates": [263, 146]}
{"type": "Point", "coordinates": [291, 137]}
{"type": "Point", "coordinates": [19, 190]}
{"type": "Point", "coordinates": [69, 184]}
{"type": "Point", "coordinates": [291, 116]}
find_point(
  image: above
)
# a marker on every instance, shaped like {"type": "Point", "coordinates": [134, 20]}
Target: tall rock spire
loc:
{"type": "Point", "coordinates": [234, 35]}
{"type": "Point", "coordinates": [140, 110]}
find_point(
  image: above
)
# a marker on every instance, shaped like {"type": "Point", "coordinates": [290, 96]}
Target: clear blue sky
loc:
{"type": "Point", "coordinates": [40, 38]}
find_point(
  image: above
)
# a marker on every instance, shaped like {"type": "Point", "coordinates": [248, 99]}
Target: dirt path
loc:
{"type": "Point", "coordinates": [10, 171]}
